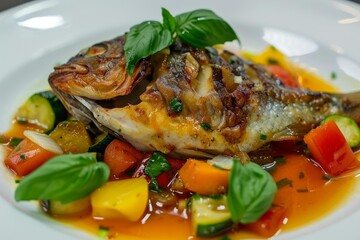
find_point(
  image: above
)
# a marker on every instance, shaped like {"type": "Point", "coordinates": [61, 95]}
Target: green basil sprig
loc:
{"type": "Point", "coordinates": [199, 28]}
{"type": "Point", "coordinates": [64, 178]}
{"type": "Point", "coordinates": [250, 193]}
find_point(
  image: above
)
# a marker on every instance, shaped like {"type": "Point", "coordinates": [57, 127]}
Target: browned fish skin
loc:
{"type": "Point", "coordinates": [99, 72]}
{"type": "Point", "coordinates": [244, 105]}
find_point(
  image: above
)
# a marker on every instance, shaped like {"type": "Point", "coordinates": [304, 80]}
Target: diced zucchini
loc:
{"type": "Point", "coordinates": [210, 215]}
{"type": "Point", "coordinates": [72, 137]}
{"type": "Point", "coordinates": [101, 142]}
{"type": "Point", "coordinates": [348, 127]}
{"type": "Point", "coordinates": [43, 109]}
{"type": "Point", "coordinates": [77, 208]}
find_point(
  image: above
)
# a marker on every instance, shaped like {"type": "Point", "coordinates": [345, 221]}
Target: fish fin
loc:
{"type": "Point", "coordinates": [293, 132]}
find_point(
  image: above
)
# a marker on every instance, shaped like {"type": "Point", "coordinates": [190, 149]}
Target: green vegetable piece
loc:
{"type": "Point", "coordinates": [169, 21]}
{"type": "Point", "coordinates": [250, 192]}
{"type": "Point", "coordinates": [15, 141]}
{"type": "Point", "coordinates": [199, 28]}
{"type": "Point", "coordinates": [64, 178]}
{"type": "Point", "coordinates": [156, 165]}
{"type": "Point", "coordinates": [143, 40]}
{"type": "Point", "coordinates": [284, 182]}
{"type": "Point", "coordinates": [176, 105]}
{"type": "Point", "coordinates": [202, 28]}
{"type": "Point", "coordinates": [263, 137]}
{"type": "Point", "coordinates": [206, 126]}
{"type": "Point", "coordinates": [103, 232]}
{"type": "Point", "coordinates": [348, 128]}
{"type": "Point", "coordinates": [43, 109]}
{"type": "Point", "coordinates": [209, 215]}
{"type": "Point", "coordinates": [101, 143]}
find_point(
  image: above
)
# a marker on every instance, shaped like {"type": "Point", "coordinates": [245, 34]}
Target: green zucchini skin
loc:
{"type": "Point", "coordinates": [43, 109]}
{"type": "Point", "coordinates": [101, 143]}
{"type": "Point", "coordinates": [210, 216]}
{"type": "Point", "coordinates": [348, 127]}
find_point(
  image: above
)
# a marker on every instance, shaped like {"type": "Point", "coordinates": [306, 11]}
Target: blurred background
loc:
{"type": "Point", "coordinates": [5, 4]}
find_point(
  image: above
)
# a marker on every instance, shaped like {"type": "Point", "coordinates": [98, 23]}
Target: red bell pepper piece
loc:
{"type": "Point", "coordinates": [329, 149]}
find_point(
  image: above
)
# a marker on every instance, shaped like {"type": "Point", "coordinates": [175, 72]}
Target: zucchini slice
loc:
{"type": "Point", "coordinates": [43, 109]}
{"type": "Point", "coordinates": [76, 208]}
{"type": "Point", "coordinates": [348, 127]}
{"type": "Point", "coordinates": [101, 142]}
{"type": "Point", "coordinates": [72, 136]}
{"type": "Point", "coordinates": [210, 215]}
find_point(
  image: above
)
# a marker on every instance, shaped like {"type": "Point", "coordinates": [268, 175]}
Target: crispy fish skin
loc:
{"type": "Point", "coordinates": [244, 105]}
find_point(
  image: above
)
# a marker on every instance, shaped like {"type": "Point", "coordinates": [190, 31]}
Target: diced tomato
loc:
{"type": "Point", "coordinates": [329, 149]}
{"type": "Point", "coordinates": [26, 157]}
{"type": "Point", "coordinates": [270, 222]}
{"type": "Point", "coordinates": [120, 156]}
{"type": "Point", "coordinates": [285, 77]}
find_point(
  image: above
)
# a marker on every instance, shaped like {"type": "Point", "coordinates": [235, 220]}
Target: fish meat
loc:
{"type": "Point", "coordinates": [228, 105]}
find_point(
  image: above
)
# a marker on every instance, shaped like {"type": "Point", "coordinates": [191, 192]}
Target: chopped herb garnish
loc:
{"type": "Point", "coordinates": [23, 156]}
{"type": "Point", "coordinates": [263, 137]}
{"type": "Point", "coordinates": [103, 232]}
{"type": "Point", "coordinates": [2, 139]}
{"type": "Point", "coordinates": [21, 121]}
{"type": "Point", "coordinates": [301, 175]}
{"type": "Point", "coordinates": [206, 126]}
{"type": "Point", "coordinates": [156, 165]}
{"type": "Point", "coordinates": [333, 75]}
{"type": "Point", "coordinates": [154, 185]}
{"type": "Point", "coordinates": [272, 61]}
{"type": "Point", "coordinates": [302, 190]}
{"type": "Point", "coordinates": [15, 141]}
{"type": "Point", "coordinates": [176, 105]}
{"type": "Point", "coordinates": [280, 160]}
{"type": "Point", "coordinates": [17, 180]}
{"type": "Point", "coordinates": [284, 182]}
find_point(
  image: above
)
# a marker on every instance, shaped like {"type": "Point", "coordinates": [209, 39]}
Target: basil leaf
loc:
{"type": "Point", "coordinates": [251, 191]}
{"type": "Point", "coordinates": [169, 21]}
{"type": "Point", "coordinates": [156, 165]}
{"type": "Point", "coordinates": [143, 40]}
{"type": "Point", "coordinates": [64, 178]}
{"type": "Point", "coordinates": [201, 28]}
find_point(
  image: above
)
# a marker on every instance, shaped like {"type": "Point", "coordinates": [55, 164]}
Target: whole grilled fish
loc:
{"type": "Point", "coordinates": [225, 104]}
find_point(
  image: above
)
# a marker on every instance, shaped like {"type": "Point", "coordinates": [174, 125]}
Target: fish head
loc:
{"type": "Point", "coordinates": [99, 72]}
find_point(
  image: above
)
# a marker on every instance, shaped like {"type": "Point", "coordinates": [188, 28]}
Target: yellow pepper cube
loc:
{"type": "Point", "coordinates": [122, 199]}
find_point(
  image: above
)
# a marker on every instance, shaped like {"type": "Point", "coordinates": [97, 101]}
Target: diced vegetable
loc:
{"type": "Point", "coordinates": [31, 153]}
{"type": "Point", "coordinates": [209, 215]}
{"type": "Point", "coordinates": [43, 109]}
{"type": "Point", "coordinates": [200, 177]}
{"type": "Point", "coordinates": [348, 128]}
{"type": "Point", "coordinates": [284, 76]}
{"type": "Point", "coordinates": [72, 137]}
{"type": "Point", "coordinates": [122, 199]}
{"type": "Point", "coordinates": [120, 156]}
{"type": "Point", "coordinates": [269, 223]}
{"type": "Point", "coordinates": [79, 207]}
{"type": "Point", "coordinates": [329, 148]}
{"type": "Point", "coordinates": [101, 142]}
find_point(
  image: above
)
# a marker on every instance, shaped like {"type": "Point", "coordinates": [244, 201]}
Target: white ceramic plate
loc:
{"type": "Point", "coordinates": [324, 35]}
